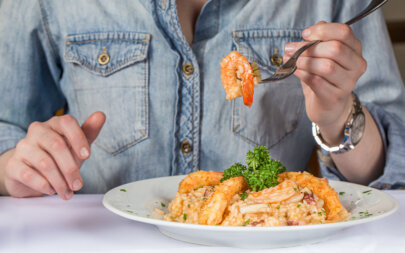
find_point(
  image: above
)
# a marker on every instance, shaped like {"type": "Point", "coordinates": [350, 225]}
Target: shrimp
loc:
{"type": "Point", "coordinates": [199, 178]}
{"type": "Point", "coordinates": [213, 210]}
{"type": "Point", "coordinates": [335, 211]}
{"type": "Point", "coordinates": [283, 191]}
{"type": "Point", "coordinates": [238, 77]}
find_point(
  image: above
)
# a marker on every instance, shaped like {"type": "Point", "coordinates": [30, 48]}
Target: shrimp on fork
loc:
{"type": "Point", "coordinates": [239, 77]}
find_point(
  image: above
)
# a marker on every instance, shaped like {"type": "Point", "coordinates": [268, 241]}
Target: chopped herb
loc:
{"type": "Point", "coordinates": [367, 192]}
{"type": "Point", "coordinates": [244, 195]}
{"type": "Point", "coordinates": [323, 211]}
{"type": "Point", "coordinates": [204, 198]}
{"type": "Point", "coordinates": [148, 215]}
{"type": "Point", "coordinates": [198, 188]}
{"type": "Point", "coordinates": [184, 216]}
{"type": "Point", "coordinates": [162, 204]}
{"type": "Point", "coordinates": [188, 206]}
{"type": "Point", "coordinates": [123, 190]}
{"type": "Point", "coordinates": [261, 172]}
{"type": "Point", "coordinates": [295, 189]}
{"type": "Point", "coordinates": [129, 211]}
{"type": "Point", "coordinates": [319, 213]}
{"type": "Point", "coordinates": [365, 214]}
{"type": "Point", "coordinates": [247, 222]}
{"type": "Point", "coordinates": [278, 207]}
{"type": "Point", "coordinates": [314, 212]}
{"type": "Point", "coordinates": [298, 206]}
{"type": "Point", "coordinates": [353, 218]}
{"type": "Point", "coordinates": [341, 193]}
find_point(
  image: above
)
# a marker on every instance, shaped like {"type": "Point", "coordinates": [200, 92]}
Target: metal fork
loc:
{"type": "Point", "coordinates": [290, 66]}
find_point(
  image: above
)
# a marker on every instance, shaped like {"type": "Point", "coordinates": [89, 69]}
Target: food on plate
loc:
{"type": "Point", "coordinates": [259, 193]}
{"type": "Point", "coordinates": [239, 77]}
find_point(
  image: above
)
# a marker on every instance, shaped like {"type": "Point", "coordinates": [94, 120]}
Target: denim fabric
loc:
{"type": "Point", "coordinates": [50, 59]}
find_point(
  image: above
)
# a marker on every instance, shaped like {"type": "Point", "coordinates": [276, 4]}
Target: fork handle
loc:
{"type": "Point", "coordinates": [374, 5]}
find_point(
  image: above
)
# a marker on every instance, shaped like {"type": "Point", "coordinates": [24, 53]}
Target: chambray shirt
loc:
{"type": "Point", "coordinates": [131, 60]}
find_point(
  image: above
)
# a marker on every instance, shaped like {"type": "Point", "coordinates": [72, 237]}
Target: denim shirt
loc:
{"type": "Point", "coordinates": [131, 60]}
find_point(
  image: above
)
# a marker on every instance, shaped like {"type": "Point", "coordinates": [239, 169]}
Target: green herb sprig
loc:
{"type": "Point", "coordinates": [261, 172]}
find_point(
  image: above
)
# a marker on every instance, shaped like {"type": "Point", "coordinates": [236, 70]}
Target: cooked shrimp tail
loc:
{"type": "Point", "coordinates": [213, 210]}
{"type": "Point", "coordinates": [238, 77]}
{"type": "Point", "coordinates": [198, 179]}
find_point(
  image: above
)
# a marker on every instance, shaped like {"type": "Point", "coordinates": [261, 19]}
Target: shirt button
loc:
{"type": "Point", "coordinates": [276, 60]}
{"type": "Point", "coordinates": [104, 58]}
{"type": "Point", "coordinates": [188, 69]}
{"type": "Point", "coordinates": [186, 147]}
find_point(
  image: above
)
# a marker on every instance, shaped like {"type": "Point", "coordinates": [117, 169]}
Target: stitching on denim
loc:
{"type": "Point", "coordinates": [278, 141]}
{"type": "Point", "coordinates": [47, 29]}
{"type": "Point", "coordinates": [70, 42]}
{"type": "Point", "coordinates": [106, 71]}
{"type": "Point", "coordinates": [145, 130]}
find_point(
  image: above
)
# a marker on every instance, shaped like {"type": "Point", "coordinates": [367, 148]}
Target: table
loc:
{"type": "Point", "coordinates": [82, 224]}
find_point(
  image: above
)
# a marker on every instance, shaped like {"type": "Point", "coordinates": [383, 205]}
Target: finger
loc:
{"type": "Point", "coordinates": [333, 31]}
{"type": "Point", "coordinates": [330, 71]}
{"type": "Point", "coordinates": [56, 146]}
{"type": "Point", "coordinates": [318, 85]}
{"type": "Point", "coordinates": [92, 126]}
{"type": "Point", "coordinates": [335, 50]}
{"type": "Point", "coordinates": [68, 127]}
{"type": "Point", "coordinates": [46, 166]}
{"type": "Point", "coordinates": [19, 190]}
{"type": "Point", "coordinates": [29, 177]}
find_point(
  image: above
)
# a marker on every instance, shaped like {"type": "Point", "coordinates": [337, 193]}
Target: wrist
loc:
{"type": "Point", "coordinates": [3, 161]}
{"type": "Point", "coordinates": [353, 131]}
{"type": "Point", "coordinates": [333, 132]}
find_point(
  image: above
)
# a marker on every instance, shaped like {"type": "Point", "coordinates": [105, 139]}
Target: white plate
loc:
{"type": "Point", "coordinates": [138, 200]}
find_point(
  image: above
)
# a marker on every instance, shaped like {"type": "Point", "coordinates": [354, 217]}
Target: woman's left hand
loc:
{"type": "Point", "coordinates": [329, 72]}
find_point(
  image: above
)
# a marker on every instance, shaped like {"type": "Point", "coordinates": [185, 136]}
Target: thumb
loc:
{"type": "Point", "coordinates": [92, 126]}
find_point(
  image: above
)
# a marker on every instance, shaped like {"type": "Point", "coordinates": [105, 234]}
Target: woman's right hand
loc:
{"type": "Point", "coordinates": [48, 159]}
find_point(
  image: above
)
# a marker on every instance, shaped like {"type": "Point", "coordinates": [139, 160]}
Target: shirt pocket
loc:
{"type": "Point", "coordinates": [109, 72]}
{"type": "Point", "coordinates": [277, 107]}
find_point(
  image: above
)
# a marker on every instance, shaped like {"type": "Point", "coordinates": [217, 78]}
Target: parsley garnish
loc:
{"type": "Point", "coordinates": [365, 214]}
{"type": "Point", "coordinates": [162, 204]}
{"type": "Point", "coordinates": [244, 195]}
{"type": "Point", "coordinates": [123, 190]}
{"type": "Point", "coordinates": [261, 172]}
{"type": "Point", "coordinates": [341, 193]}
{"type": "Point", "coordinates": [247, 222]}
{"type": "Point", "coordinates": [298, 206]}
{"type": "Point", "coordinates": [365, 192]}
{"type": "Point", "coordinates": [184, 216]}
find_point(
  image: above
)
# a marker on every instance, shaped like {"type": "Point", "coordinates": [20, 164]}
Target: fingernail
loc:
{"type": "Point", "coordinates": [306, 33]}
{"type": "Point", "coordinates": [68, 194]}
{"type": "Point", "coordinates": [51, 191]}
{"type": "Point", "coordinates": [77, 184]}
{"type": "Point", "coordinates": [289, 48]}
{"type": "Point", "coordinates": [84, 152]}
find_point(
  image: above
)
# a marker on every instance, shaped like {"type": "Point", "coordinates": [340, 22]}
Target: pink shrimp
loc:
{"type": "Point", "coordinates": [237, 77]}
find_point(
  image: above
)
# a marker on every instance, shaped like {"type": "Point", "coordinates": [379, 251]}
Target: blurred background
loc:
{"type": "Point", "coordinates": [394, 12]}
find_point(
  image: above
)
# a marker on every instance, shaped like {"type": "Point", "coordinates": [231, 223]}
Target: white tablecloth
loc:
{"type": "Point", "coordinates": [82, 224]}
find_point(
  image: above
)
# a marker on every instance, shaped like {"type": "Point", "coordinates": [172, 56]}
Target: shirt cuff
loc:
{"type": "Point", "coordinates": [10, 135]}
{"type": "Point", "coordinates": [392, 131]}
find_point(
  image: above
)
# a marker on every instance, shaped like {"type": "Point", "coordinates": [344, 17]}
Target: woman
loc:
{"type": "Point", "coordinates": [149, 70]}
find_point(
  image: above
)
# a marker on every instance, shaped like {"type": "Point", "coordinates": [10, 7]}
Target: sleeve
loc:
{"type": "Point", "coordinates": [29, 70]}
{"type": "Point", "coordinates": [392, 132]}
{"type": "Point", "coordinates": [381, 90]}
